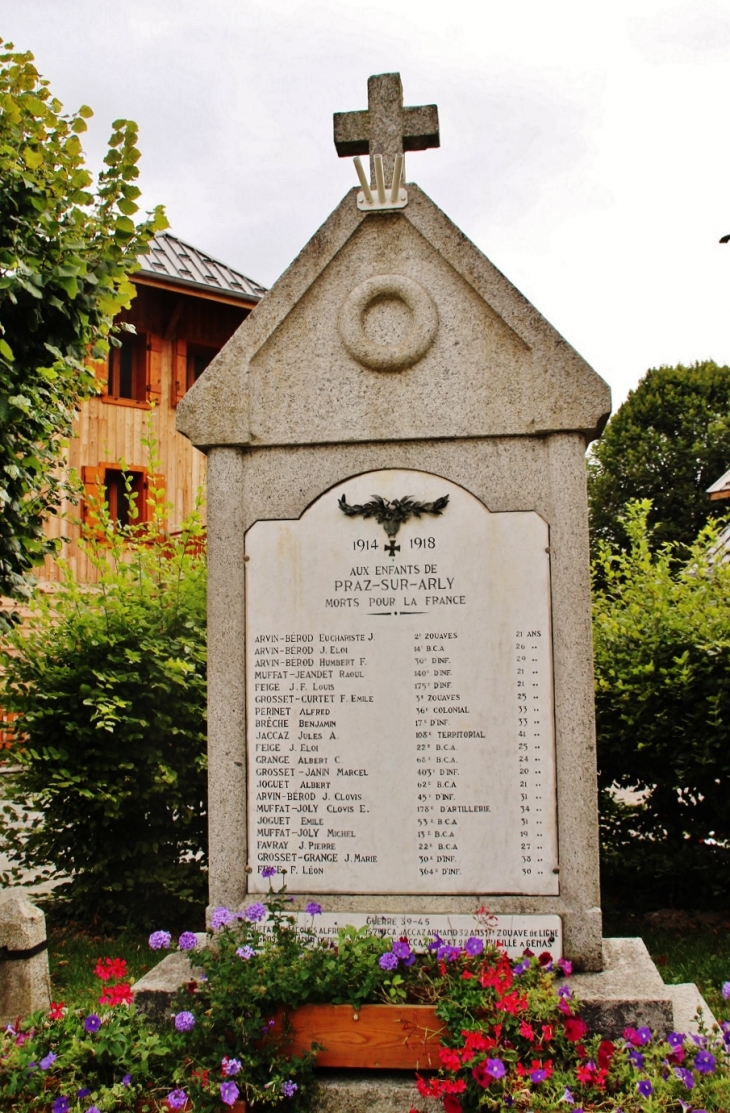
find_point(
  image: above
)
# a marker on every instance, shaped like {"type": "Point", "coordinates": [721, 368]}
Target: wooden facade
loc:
{"type": "Point", "coordinates": [179, 327]}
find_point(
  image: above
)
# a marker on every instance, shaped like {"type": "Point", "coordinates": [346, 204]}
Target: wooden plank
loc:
{"type": "Point", "coordinates": [393, 1037]}
{"type": "Point", "coordinates": [244, 302]}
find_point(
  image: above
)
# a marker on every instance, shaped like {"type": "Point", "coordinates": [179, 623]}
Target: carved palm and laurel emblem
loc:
{"type": "Point", "coordinates": [392, 514]}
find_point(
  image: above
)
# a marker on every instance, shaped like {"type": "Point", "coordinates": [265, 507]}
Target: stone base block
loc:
{"type": "Point", "coordinates": [689, 1004]}
{"type": "Point", "coordinates": [365, 1092]}
{"type": "Point", "coordinates": [629, 991]}
{"type": "Point", "coordinates": [153, 994]}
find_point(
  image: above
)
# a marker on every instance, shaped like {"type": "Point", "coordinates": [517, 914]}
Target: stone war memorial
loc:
{"type": "Point", "coordinates": [400, 657]}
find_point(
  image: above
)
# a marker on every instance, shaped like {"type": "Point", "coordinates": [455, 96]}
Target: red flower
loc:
{"type": "Point", "coordinates": [117, 995]}
{"type": "Point", "coordinates": [425, 1089]}
{"type": "Point", "coordinates": [513, 1003]}
{"type": "Point", "coordinates": [56, 1010]}
{"type": "Point", "coordinates": [477, 1041]}
{"type": "Point", "coordinates": [451, 1104]}
{"type": "Point", "coordinates": [547, 1032]}
{"type": "Point", "coordinates": [590, 1075]}
{"type": "Point", "coordinates": [606, 1052]}
{"type": "Point", "coordinates": [467, 974]}
{"type": "Point", "coordinates": [584, 1073]}
{"type": "Point", "coordinates": [450, 1058]}
{"type": "Point", "coordinates": [575, 1028]}
{"type": "Point", "coordinates": [480, 1075]}
{"type": "Point", "coordinates": [547, 1066]}
{"type": "Point", "coordinates": [110, 969]}
{"type": "Point", "coordinates": [527, 1030]}
{"type": "Point", "coordinates": [545, 958]}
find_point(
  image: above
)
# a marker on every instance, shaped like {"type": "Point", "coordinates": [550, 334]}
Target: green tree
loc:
{"type": "Point", "coordinates": [108, 683]}
{"type": "Point", "coordinates": [668, 442]}
{"type": "Point", "coordinates": [662, 662]}
{"type": "Point", "coordinates": [65, 256]}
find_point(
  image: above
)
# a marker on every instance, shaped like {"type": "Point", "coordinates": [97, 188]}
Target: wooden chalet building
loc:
{"type": "Point", "coordinates": [187, 306]}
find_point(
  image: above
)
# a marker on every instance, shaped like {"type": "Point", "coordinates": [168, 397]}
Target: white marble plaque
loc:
{"type": "Point", "coordinates": [514, 933]}
{"type": "Point", "coordinates": [400, 695]}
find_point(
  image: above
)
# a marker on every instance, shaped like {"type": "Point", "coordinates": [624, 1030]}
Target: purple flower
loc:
{"type": "Point", "coordinates": [184, 1022]}
{"type": "Point", "coordinates": [675, 1039]}
{"type": "Point", "coordinates": [188, 941]}
{"type": "Point", "coordinates": [566, 966]}
{"type": "Point", "coordinates": [565, 992]}
{"type": "Point", "coordinates": [289, 1088]}
{"type": "Point", "coordinates": [93, 1109]}
{"type": "Point", "coordinates": [159, 940]}
{"type": "Point", "coordinates": [644, 1036]}
{"type": "Point", "coordinates": [256, 912]}
{"type": "Point", "coordinates": [60, 1105]}
{"type": "Point", "coordinates": [83, 1093]}
{"type": "Point", "coordinates": [126, 1081]}
{"type": "Point", "coordinates": [474, 946]}
{"type": "Point", "coordinates": [401, 950]}
{"type": "Point", "coordinates": [246, 952]}
{"type": "Point", "coordinates": [636, 1058]}
{"type": "Point", "coordinates": [313, 909]}
{"type": "Point", "coordinates": [229, 1092]}
{"type": "Point", "coordinates": [705, 1062]}
{"type": "Point", "coordinates": [522, 967]}
{"type": "Point", "coordinates": [448, 954]}
{"type": "Point", "coordinates": [388, 961]}
{"type": "Point", "coordinates": [567, 1096]}
{"type": "Point", "coordinates": [645, 1088]}
{"type": "Point", "coordinates": [495, 1067]}
{"type": "Point", "coordinates": [437, 942]}
{"type": "Point", "coordinates": [726, 991]}
{"type": "Point", "coordinates": [268, 871]}
{"type": "Point", "coordinates": [177, 1099]}
{"type": "Point", "coordinates": [230, 1066]}
{"type": "Point", "coordinates": [92, 1023]}
{"type": "Point", "coordinates": [538, 1075]}
{"type": "Point", "coordinates": [685, 1076]}
{"type": "Point", "coordinates": [48, 1061]}
{"type": "Point", "coordinates": [220, 918]}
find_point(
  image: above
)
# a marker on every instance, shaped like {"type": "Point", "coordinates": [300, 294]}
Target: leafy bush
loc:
{"type": "Point", "coordinates": [108, 683]}
{"type": "Point", "coordinates": [668, 442]}
{"type": "Point", "coordinates": [662, 658]}
{"type": "Point", "coordinates": [65, 255]}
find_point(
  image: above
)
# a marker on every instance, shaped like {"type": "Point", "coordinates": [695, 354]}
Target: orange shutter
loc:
{"type": "Point", "coordinates": [154, 370]}
{"type": "Point", "coordinates": [94, 495]}
{"type": "Point", "coordinates": [179, 371]}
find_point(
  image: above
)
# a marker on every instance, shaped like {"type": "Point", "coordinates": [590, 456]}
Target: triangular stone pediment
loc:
{"type": "Point", "coordinates": [392, 326]}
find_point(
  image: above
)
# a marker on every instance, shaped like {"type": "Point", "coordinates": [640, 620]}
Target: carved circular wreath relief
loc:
{"type": "Point", "coordinates": [402, 353]}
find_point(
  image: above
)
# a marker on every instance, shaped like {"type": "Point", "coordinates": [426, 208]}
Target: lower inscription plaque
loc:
{"type": "Point", "coordinates": [400, 694]}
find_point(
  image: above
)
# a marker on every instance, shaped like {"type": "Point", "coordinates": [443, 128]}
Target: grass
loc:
{"type": "Point", "coordinates": [73, 953]}
{"type": "Point", "coordinates": [687, 947]}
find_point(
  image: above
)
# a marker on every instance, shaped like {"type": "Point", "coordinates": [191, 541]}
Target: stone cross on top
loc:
{"type": "Point", "coordinates": [386, 128]}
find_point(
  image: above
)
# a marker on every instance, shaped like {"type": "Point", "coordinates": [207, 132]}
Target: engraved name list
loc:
{"type": "Point", "coordinates": [399, 694]}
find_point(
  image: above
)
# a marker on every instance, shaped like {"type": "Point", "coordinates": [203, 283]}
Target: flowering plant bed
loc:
{"type": "Point", "coordinates": [483, 1033]}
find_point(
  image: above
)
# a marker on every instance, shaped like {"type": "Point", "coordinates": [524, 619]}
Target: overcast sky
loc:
{"type": "Point", "coordinates": [585, 146]}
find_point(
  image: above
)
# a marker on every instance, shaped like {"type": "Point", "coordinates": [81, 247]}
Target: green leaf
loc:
{"type": "Point", "coordinates": [32, 158]}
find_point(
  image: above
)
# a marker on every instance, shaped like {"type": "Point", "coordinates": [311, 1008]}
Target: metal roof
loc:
{"type": "Point", "coordinates": [720, 486]}
{"type": "Point", "coordinates": [175, 261]}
